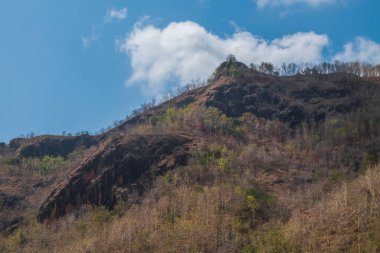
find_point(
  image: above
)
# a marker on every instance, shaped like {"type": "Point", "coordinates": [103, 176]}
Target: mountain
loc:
{"type": "Point", "coordinates": [247, 163]}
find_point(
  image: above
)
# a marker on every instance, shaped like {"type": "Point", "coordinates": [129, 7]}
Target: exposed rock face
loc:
{"type": "Point", "coordinates": [289, 99]}
{"type": "Point", "coordinates": [112, 169]}
{"type": "Point", "coordinates": [56, 145]}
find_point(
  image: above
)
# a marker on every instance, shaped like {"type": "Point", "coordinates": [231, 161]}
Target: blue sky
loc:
{"type": "Point", "coordinates": [81, 64]}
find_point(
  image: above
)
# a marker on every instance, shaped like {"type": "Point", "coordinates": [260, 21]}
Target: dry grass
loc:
{"type": "Point", "coordinates": [185, 219]}
{"type": "Point", "coordinates": [347, 220]}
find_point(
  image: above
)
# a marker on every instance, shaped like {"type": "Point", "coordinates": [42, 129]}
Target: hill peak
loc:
{"type": "Point", "coordinates": [230, 67]}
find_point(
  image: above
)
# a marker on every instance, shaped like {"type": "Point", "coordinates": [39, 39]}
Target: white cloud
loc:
{"type": "Point", "coordinates": [361, 49]}
{"type": "Point", "coordinates": [186, 51]}
{"type": "Point", "coordinates": [118, 14]}
{"type": "Point", "coordinates": [263, 3]}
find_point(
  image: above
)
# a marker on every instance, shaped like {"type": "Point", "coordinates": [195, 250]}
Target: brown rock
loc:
{"type": "Point", "coordinates": [120, 163]}
{"type": "Point", "coordinates": [293, 100]}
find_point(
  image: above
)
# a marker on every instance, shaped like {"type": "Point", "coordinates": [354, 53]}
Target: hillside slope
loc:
{"type": "Point", "coordinates": [234, 166]}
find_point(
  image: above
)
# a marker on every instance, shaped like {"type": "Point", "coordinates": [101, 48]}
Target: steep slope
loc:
{"type": "Point", "coordinates": [115, 168]}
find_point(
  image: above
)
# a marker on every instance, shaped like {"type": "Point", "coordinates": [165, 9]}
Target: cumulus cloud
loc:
{"type": "Point", "coordinates": [262, 3]}
{"type": "Point", "coordinates": [361, 49]}
{"type": "Point", "coordinates": [116, 14]}
{"type": "Point", "coordinates": [185, 50]}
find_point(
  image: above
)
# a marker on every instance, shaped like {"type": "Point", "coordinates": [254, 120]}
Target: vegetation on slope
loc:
{"type": "Point", "coordinates": [251, 185]}
{"type": "Point", "coordinates": [229, 198]}
{"type": "Point", "coordinates": [346, 220]}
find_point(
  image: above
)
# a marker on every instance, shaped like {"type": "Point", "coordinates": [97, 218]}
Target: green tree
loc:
{"type": "Point", "coordinates": [49, 163]}
{"type": "Point", "coordinates": [231, 58]}
{"type": "Point", "coordinates": [266, 67]}
{"type": "Point", "coordinates": [233, 71]}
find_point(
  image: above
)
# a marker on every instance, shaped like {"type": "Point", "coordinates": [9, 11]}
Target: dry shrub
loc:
{"type": "Point", "coordinates": [185, 220]}
{"type": "Point", "coordinates": [347, 220]}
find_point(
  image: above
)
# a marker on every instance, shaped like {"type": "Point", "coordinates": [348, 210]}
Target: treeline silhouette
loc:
{"type": "Point", "coordinates": [362, 69]}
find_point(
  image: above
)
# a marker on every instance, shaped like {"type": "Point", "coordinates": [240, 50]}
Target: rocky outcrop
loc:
{"type": "Point", "coordinates": [290, 99]}
{"type": "Point", "coordinates": [56, 145]}
{"type": "Point", "coordinates": [114, 168]}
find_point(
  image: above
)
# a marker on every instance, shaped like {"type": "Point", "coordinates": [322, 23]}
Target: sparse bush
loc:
{"type": "Point", "coordinates": [336, 177]}
{"type": "Point", "coordinates": [44, 165]}
{"type": "Point", "coordinates": [81, 227]}
{"type": "Point", "coordinates": [222, 164]}
{"type": "Point", "coordinates": [101, 216]}
{"type": "Point", "coordinates": [233, 71]}
{"type": "Point", "coordinates": [11, 160]}
{"type": "Point", "coordinates": [16, 240]}
{"type": "Point", "coordinates": [49, 163]}
{"type": "Point", "coordinates": [272, 239]}
{"type": "Point", "coordinates": [371, 159]}
{"type": "Point", "coordinates": [346, 220]}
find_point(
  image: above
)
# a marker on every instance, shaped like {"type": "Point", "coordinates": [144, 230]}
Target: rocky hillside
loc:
{"type": "Point", "coordinates": [291, 99]}
{"type": "Point", "coordinates": [228, 167]}
{"type": "Point", "coordinates": [115, 169]}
